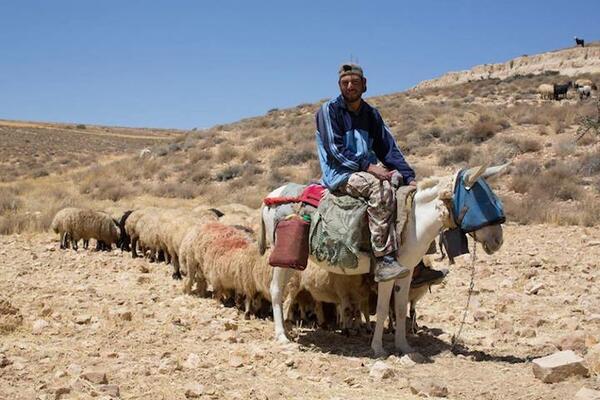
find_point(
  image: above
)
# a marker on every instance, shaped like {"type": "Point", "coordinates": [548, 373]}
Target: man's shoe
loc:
{"type": "Point", "coordinates": [428, 276]}
{"type": "Point", "coordinates": [387, 268]}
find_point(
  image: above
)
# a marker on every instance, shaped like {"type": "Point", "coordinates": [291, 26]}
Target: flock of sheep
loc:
{"type": "Point", "coordinates": [583, 87]}
{"type": "Point", "coordinates": [217, 249]}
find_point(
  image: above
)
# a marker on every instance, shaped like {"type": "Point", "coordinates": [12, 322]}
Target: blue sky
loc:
{"type": "Point", "coordinates": [185, 64]}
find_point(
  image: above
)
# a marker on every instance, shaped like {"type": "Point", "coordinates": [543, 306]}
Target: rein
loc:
{"type": "Point", "coordinates": [451, 223]}
{"type": "Point", "coordinates": [456, 336]}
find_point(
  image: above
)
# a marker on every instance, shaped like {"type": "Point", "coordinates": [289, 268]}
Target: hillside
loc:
{"type": "Point", "coordinates": [553, 179]}
{"type": "Point", "coordinates": [35, 149]}
{"type": "Point", "coordinates": [570, 62]}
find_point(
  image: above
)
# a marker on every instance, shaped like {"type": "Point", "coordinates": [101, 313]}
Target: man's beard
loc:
{"type": "Point", "coordinates": [349, 98]}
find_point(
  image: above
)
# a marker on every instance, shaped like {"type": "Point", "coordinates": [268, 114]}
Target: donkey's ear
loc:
{"type": "Point", "coordinates": [495, 171]}
{"type": "Point", "coordinates": [473, 174]}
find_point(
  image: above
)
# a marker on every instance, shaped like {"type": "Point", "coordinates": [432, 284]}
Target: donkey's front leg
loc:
{"type": "Point", "coordinates": [401, 289]}
{"type": "Point", "coordinates": [384, 292]}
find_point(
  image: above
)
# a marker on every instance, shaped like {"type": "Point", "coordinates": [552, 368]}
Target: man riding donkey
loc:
{"type": "Point", "coordinates": [359, 157]}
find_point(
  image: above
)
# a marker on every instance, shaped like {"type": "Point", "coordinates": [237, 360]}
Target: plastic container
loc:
{"type": "Point", "coordinates": [291, 244]}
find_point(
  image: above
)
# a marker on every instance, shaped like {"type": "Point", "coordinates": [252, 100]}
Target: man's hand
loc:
{"type": "Point", "coordinates": [381, 173]}
{"type": "Point", "coordinates": [413, 183]}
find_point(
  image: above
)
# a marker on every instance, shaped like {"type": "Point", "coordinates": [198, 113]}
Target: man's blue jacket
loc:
{"type": "Point", "coordinates": [348, 142]}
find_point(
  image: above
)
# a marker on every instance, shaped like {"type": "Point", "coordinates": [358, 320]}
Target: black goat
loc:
{"type": "Point", "coordinates": [560, 91]}
{"type": "Point", "coordinates": [579, 42]}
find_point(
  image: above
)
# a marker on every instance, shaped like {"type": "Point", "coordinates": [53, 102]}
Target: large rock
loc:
{"type": "Point", "coordinates": [193, 390]}
{"type": "Point", "coordinates": [38, 326]}
{"type": "Point", "coordinates": [381, 370]}
{"type": "Point", "coordinates": [112, 390]}
{"type": "Point", "coordinates": [558, 367]}
{"type": "Point", "coordinates": [192, 362]}
{"type": "Point", "coordinates": [427, 388]}
{"type": "Point", "coordinates": [587, 394]}
{"type": "Point", "coordinates": [95, 376]}
{"type": "Point", "coordinates": [592, 359]}
{"type": "Point", "coordinates": [574, 341]}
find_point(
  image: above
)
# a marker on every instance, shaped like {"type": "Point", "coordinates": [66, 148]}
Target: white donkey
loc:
{"type": "Point", "coordinates": [431, 214]}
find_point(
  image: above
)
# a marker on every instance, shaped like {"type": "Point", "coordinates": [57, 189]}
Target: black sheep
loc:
{"type": "Point", "coordinates": [560, 91]}
{"type": "Point", "coordinates": [579, 42]}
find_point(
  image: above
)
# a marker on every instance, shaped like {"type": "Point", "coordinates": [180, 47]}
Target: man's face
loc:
{"type": "Point", "coordinates": [352, 87]}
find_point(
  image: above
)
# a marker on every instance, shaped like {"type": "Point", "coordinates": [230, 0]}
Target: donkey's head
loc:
{"type": "Point", "coordinates": [474, 208]}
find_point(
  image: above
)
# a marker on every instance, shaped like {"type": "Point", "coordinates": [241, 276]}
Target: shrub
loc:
{"type": "Point", "coordinates": [81, 126]}
{"type": "Point", "coordinates": [483, 130]}
{"type": "Point", "coordinates": [292, 156]}
{"type": "Point", "coordinates": [225, 154]}
{"type": "Point", "coordinates": [275, 179]}
{"type": "Point", "coordinates": [229, 172]}
{"type": "Point", "coordinates": [460, 154]}
{"type": "Point", "coordinates": [523, 145]}
{"type": "Point", "coordinates": [9, 202]}
{"type": "Point", "coordinates": [564, 147]}
{"type": "Point", "coordinates": [589, 165]}
{"type": "Point", "coordinates": [175, 190]}
{"type": "Point", "coordinates": [200, 175]}
{"type": "Point", "coordinates": [267, 142]}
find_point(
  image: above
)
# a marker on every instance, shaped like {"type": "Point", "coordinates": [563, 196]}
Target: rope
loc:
{"type": "Point", "coordinates": [456, 336]}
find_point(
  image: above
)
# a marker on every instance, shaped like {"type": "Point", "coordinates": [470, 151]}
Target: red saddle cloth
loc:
{"type": "Point", "coordinates": [310, 195]}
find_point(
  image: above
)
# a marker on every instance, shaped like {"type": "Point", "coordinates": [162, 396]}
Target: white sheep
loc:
{"type": "Point", "coordinates": [584, 92]}
{"type": "Point", "coordinates": [78, 224]}
{"type": "Point", "coordinates": [546, 91]}
{"type": "Point", "coordinates": [225, 258]}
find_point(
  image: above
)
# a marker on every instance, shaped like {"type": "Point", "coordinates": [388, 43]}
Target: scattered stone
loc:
{"type": "Point", "coordinates": [4, 361]}
{"type": "Point", "coordinates": [111, 390]}
{"type": "Point", "coordinates": [95, 376]}
{"type": "Point", "coordinates": [168, 365]}
{"type": "Point", "coordinates": [290, 362]}
{"type": "Point", "coordinates": [193, 390]}
{"type": "Point", "coordinates": [143, 279]}
{"type": "Point", "coordinates": [587, 394]}
{"type": "Point", "coordinates": [192, 362]}
{"type": "Point", "coordinates": [144, 269]}
{"type": "Point", "coordinates": [526, 333]}
{"type": "Point", "coordinates": [230, 325]}
{"type": "Point", "coordinates": [427, 388]}
{"type": "Point", "coordinates": [83, 319]}
{"type": "Point", "coordinates": [558, 366]}
{"type": "Point", "coordinates": [228, 336]}
{"type": "Point", "coordinates": [294, 375]}
{"type": "Point", "coordinates": [39, 325]}
{"type": "Point", "coordinates": [235, 360]}
{"type": "Point", "coordinates": [125, 315]}
{"type": "Point", "coordinates": [60, 374]}
{"type": "Point", "coordinates": [74, 370]}
{"type": "Point", "coordinates": [60, 391]}
{"type": "Point", "coordinates": [46, 311]}
{"type": "Point", "coordinates": [592, 359]}
{"type": "Point", "coordinates": [504, 327]}
{"type": "Point", "coordinates": [535, 263]}
{"type": "Point", "coordinates": [480, 315]}
{"type": "Point", "coordinates": [534, 288]}
{"type": "Point", "coordinates": [411, 359]}
{"type": "Point", "coordinates": [381, 370]}
{"type": "Point", "coordinates": [573, 341]}
{"type": "Point", "coordinates": [10, 317]}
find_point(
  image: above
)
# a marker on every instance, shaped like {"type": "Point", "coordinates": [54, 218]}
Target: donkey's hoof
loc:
{"type": "Point", "coordinates": [380, 353]}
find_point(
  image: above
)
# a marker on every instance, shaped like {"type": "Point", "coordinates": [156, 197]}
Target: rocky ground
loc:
{"type": "Point", "coordinates": [86, 324]}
